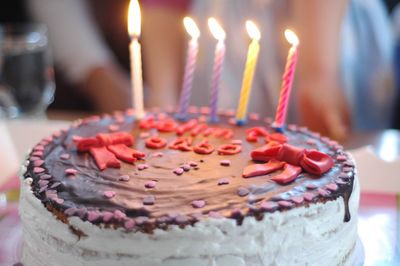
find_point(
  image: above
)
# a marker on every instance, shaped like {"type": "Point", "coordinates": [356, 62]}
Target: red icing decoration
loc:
{"type": "Point", "coordinates": [290, 154]}
{"type": "Point", "coordinates": [167, 125]}
{"type": "Point", "coordinates": [125, 153]}
{"type": "Point", "coordinates": [278, 137]}
{"type": "Point", "coordinates": [255, 132]}
{"type": "Point", "coordinates": [203, 147]}
{"type": "Point", "coordinates": [104, 158]}
{"type": "Point", "coordinates": [208, 131]}
{"type": "Point", "coordinates": [262, 169]}
{"type": "Point", "coordinates": [84, 144]}
{"type": "Point", "coordinates": [229, 149]}
{"type": "Point", "coordinates": [289, 173]}
{"type": "Point", "coordinates": [155, 142]}
{"type": "Point", "coordinates": [147, 123]}
{"type": "Point", "coordinates": [316, 162]}
{"type": "Point", "coordinates": [198, 129]}
{"type": "Point", "coordinates": [266, 152]}
{"type": "Point", "coordinates": [115, 138]}
{"type": "Point", "coordinates": [186, 127]}
{"type": "Point", "coordinates": [182, 144]}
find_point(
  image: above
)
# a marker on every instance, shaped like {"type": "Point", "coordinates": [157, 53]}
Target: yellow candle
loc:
{"type": "Point", "coordinates": [134, 26]}
{"type": "Point", "coordinates": [251, 62]}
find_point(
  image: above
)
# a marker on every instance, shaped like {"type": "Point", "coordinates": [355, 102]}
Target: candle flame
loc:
{"type": "Point", "coordinates": [216, 30]}
{"type": "Point", "coordinates": [291, 37]}
{"type": "Point", "coordinates": [253, 30]}
{"type": "Point", "coordinates": [134, 18]}
{"type": "Point", "coordinates": [191, 27]}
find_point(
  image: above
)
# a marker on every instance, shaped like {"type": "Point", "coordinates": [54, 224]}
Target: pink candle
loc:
{"type": "Point", "coordinates": [218, 34]}
{"type": "Point", "coordinates": [193, 49]}
{"type": "Point", "coordinates": [287, 80]}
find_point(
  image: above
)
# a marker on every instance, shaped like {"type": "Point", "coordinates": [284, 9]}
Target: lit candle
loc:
{"type": "Point", "coordinates": [191, 59]}
{"type": "Point", "coordinates": [287, 80]}
{"type": "Point", "coordinates": [251, 62]}
{"type": "Point", "coordinates": [218, 32]}
{"type": "Point", "coordinates": [134, 25]}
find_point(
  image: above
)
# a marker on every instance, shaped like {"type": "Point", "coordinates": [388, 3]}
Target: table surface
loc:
{"type": "Point", "coordinates": [376, 154]}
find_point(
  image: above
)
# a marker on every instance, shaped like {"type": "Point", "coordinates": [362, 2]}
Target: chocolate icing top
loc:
{"type": "Point", "coordinates": [150, 193]}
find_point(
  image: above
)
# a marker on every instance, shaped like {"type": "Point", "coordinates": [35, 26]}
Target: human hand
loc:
{"type": "Point", "coordinates": [108, 88]}
{"type": "Point", "coordinates": [323, 108]}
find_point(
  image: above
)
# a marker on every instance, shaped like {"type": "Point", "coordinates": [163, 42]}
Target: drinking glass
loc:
{"type": "Point", "coordinates": [26, 71]}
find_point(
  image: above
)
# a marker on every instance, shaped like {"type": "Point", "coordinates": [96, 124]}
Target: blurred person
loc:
{"type": "Point", "coordinates": [341, 74]}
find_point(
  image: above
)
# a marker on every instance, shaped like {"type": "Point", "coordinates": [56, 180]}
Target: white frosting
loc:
{"type": "Point", "coordinates": [314, 235]}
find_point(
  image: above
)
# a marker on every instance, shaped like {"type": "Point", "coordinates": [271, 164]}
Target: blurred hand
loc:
{"type": "Point", "coordinates": [323, 108]}
{"type": "Point", "coordinates": [108, 88]}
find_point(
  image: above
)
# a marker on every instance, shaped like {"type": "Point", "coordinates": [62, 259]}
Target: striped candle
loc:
{"type": "Point", "coordinates": [287, 80]}
{"type": "Point", "coordinates": [218, 34]}
{"type": "Point", "coordinates": [193, 49]}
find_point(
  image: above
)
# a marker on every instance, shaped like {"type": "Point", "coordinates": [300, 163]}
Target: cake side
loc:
{"type": "Point", "coordinates": [303, 235]}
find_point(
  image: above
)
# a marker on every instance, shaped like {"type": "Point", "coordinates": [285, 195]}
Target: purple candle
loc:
{"type": "Point", "coordinates": [193, 49]}
{"type": "Point", "coordinates": [218, 34]}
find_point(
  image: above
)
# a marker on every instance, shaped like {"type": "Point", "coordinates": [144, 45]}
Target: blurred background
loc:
{"type": "Point", "coordinates": [347, 77]}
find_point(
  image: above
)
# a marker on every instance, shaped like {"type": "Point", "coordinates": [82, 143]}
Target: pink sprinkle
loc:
{"type": "Point", "coordinates": [144, 135]}
{"type": "Point", "coordinates": [254, 116]}
{"type": "Point", "coordinates": [268, 205]}
{"type": "Point", "coordinates": [204, 110]}
{"type": "Point", "coordinates": [157, 154]}
{"type": "Point", "coordinates": [349, 163]}
{"type": "Point", "coordinates": [118, 215]}
{"type": "Point", "coordinates": [119, 119]}
{"type": "Point", "coordinates": [230, 112]}
{"type": "Point", "coordinates": [344, 175]}
{"type": "Point", "coordinates": [193, 110]}
{"type": "Point", "coordinates": [202, 119]}
{"type": "Point", "coordinates": [297, 199]}
{"type": "Point", "coordinates": [341, 158]}
{"type": "Point", "coordinates": [109, 194]}
{"type": "Point", "coordinates": [76, 138]}
{"type": "Point", "coordinates": [232, 121]}
{"type": "Point", "coordinates": [150, 184]}
{"type": "Point", "coordinates": [347, 169]}
{"type": "Point", "coordinates": [268, 120]}
{"type": "Point", "coordinates": [48, 139]}
{"type": "Point", "coordinates": [113, 128]}
{"type": "Point", "coordinates": [225, 162]}
{"type": "Point", "coordinates": [58, 200]}
{"type": "Point", "coordinates": [129, 224]}
{"type": "Point", "coordinates": [124, 178]}
{"type": "Point", "coordinates": [332, 187]}
{"type": "Point", "coordinates": [237, 142]}
{"type": "Point", "coordinates": [37, 153]}
{"type": "Point", "coordinates": [39, 148]}
{"type": "Point", "coordinates": [107, 216]}
{"type": "Point", "coordinates": [323, 192]}
{"type": "Point", "coordinates": [178, 171]}
{"type": "Point", "coordinates": [149, 200]}
{"type": "Point", "coordinates": [93, 216]}
{"type": "Point", "coordinates": [57, 133]}
{"type": "Point", "coordinates": [65, 156]}
{"type": "Point", "coordinates": [43, 183]}
{"type": "Point", "coordinates": [308, 196]}
{"type": "Point", "coordinates": [33, 158]}
{"type": "Point", "coordinates": [38, 170]}
{"type": "Point", "coordinates": [214, 214]}
{"type": "Point", "coordinates": [340, 182]}
{"type": "Point", "coordinates": [185, 167]}
{"type": "Point", "coordinates": [193, 164]}
{"type": "Point", "coordinates": [38, 163]}
{"type": "Point", "coordinates": [142, 166]}
{"type": "Point", "coordinates": [45, 176]}
{"type": "Point", "coordinates": [223, 181]}
{"type": "Point", "coordinates": [285, 203]}
{"type": "Point", "coordinates": [70, 211]}
{"type": "Point", "coordinates": [71, 171]}
{"type": "Point", "coordinates": [310, 142]}
{"type": "Point", "coordinates": [198, 203]}
{"type": "Point", "coordinates": [242, 191]}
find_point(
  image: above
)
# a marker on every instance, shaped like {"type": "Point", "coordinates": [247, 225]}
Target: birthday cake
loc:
{"type": "Point", "coordinates": [113, 190]}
